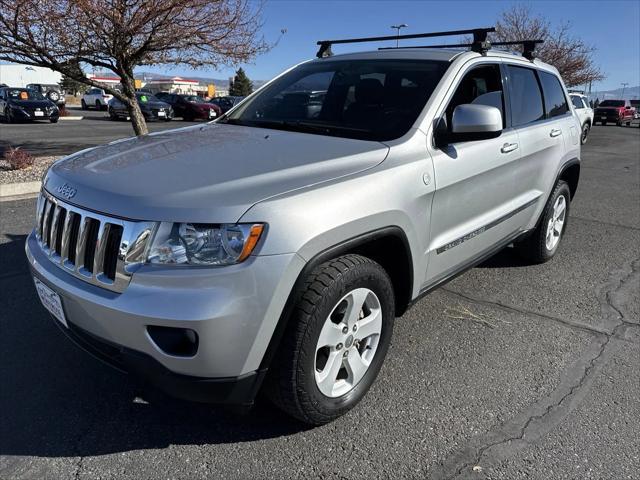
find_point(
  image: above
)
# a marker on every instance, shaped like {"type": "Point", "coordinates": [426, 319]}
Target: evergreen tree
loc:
{"type": "Point", "coordinates": [240, 86]}
{"type": "Point", "coordinates": [71, 86]}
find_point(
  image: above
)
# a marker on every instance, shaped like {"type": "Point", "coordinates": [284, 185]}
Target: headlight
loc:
{"type": "Point", "coordinates": [203, 244]}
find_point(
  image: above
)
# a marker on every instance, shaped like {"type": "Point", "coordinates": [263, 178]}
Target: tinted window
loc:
{"type": "Point", "coordinates": [363, 99]}
{"type": "Point", "coordinates": [577, 102]}
{"type": "Point", "coordinates": [554, 100]}
{"type": "Point", "coordinates": [526, 99]}
{"type": "Point", "coordinates": [612, 103]}
{"type": "Point", "coordinates": [481, 86]}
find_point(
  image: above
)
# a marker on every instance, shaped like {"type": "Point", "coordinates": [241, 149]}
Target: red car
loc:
{"type": "Point", "coordinates": [190, 107]}
{"type": "Point", "coordinates": [613, 111]}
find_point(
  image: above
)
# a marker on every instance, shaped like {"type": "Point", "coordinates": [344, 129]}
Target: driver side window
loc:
{"type": "Point", "coordinates": [480, 86]}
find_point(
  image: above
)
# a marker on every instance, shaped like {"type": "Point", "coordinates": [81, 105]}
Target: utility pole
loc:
{"type": "Point", "coordinates": [398, 27]}
{"type": "Point", "coordinates": [624, 85]}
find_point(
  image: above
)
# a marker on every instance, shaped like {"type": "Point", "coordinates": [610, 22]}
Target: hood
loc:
{"type": "Point", "coordinates": [32, 103]}
{"type": "Point", "coordinates": [207, 174]}
{"type": "Point", "coordinates": [150, 105]}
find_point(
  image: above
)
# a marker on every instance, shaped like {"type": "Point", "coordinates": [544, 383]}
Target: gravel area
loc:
{"type": "Point", "coordinates": [30, 174]}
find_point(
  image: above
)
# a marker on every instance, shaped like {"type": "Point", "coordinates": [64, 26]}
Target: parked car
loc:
{"type": "Point", "coordinates": [635, 104]}
{"type": "Point", "coordinates": [95, 97]}
{"type": "Point", "coordinates": [226, 103]}
{"type": "Point", "coordinates": [19, 104]}
{"type": "Point", "coordinates": [152, 108]}
{"type": "Point", "coordinates": [190, 107]}
{"type": "Point", "coordinates": [613, 111]}
{"type": "Point", "coordinates": [585, 114]}
{"type": "Point", "coordinates": [276, 246]}
{"type": "Point", "coordinates": [51, 91]}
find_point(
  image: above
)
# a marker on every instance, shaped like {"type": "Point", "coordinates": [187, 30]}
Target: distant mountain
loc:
{"type": "Point", "coordinates": [630, 93]}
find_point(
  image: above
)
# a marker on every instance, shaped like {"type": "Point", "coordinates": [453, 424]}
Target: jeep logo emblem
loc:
{"type": "Point", "coordinates": [66, 191]}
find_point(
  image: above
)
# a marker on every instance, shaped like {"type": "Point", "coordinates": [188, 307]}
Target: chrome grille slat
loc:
{"type": "Point", "coordinates": [66, 234]}
{"type": "Point", "coordinates": [45, 224]}
{"type": "Point", "coordinates": [98, 256]}
{"type": "Point", "coordinates": [63, 232]}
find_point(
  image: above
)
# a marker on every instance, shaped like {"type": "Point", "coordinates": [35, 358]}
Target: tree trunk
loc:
{"type": "Point", "coordinates": [129, 90]}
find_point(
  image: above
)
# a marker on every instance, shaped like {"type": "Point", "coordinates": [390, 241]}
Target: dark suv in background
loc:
{"type": "Point", "coordinates": [226, 103]}
{"type": "Point", "coordinates": [151, 107]}
{"type": "Point", "coordinates": [613, 111]}
{"type": "Point", "coordinates": [51, 91]}
{"type": "Point", "coordinates": [20, 104]}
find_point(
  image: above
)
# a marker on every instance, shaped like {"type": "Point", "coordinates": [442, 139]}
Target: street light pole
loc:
{"type": "Point", "coordinates": [398, 27]}
{"type": "Point", "coordinates": [624, 85]}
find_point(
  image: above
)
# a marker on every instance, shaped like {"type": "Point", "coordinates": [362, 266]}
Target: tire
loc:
{"type": "Point", "coordinates": [7, 116]}
{"type": "Point", "coordinates": [98, 105]}
{"type": "Point", "coordinates": [83, 104]}
{"type": "Point", "coordinates": [112, 115]}
{"type": "Point", "coordinates": [538, 248]}
{"type": "Point", "coordinates": [585, 133]}
{"type": "Point", "coordinates": [54, 120]}
{"type": "Point", "coordinates": [324, 303]}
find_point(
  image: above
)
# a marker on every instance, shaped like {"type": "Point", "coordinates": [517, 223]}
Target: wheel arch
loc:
{"type": "Point", "coordinates": [570, 173]}
{"type": "Point", "coordinates": [387, 246]}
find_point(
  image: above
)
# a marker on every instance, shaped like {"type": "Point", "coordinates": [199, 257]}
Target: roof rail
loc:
{"type": "Point", "coordinates": [528, 52]}
{"type": "Point", "coordinates": [480, 43]}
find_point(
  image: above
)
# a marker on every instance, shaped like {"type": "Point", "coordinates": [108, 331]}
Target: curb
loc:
{"type": "Point", "coordinates": [71, 117]}
{"type": "Point", "coordinates": [23, 188]}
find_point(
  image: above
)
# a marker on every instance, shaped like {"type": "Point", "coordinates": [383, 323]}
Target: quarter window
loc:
{"type": "Point", "coordinates": [526, 98]}
{"type": "Point", "coordinates": [554, 100]}
{"type": "Point", "coordinates": [577, 102]}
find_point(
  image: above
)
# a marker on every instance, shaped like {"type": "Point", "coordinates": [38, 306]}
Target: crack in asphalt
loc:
{"type": "Point", "coordinates": [469, 457]}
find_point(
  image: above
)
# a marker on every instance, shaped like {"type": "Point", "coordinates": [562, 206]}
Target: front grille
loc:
{"type": "Point", "coordinates": [98, 249]}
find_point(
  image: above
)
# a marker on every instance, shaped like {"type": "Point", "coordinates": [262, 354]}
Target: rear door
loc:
{"type": "Point", "coordinates": [540, 122]}
{"type": "Point", "coordinates": [473, 203]}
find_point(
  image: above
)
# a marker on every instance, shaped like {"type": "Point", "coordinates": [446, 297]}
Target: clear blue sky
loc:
{"type": "Point", "coordinates": [613, 27]}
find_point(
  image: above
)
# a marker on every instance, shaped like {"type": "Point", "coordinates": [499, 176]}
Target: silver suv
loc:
{"type": "Point", "coordinates": [274, 247]}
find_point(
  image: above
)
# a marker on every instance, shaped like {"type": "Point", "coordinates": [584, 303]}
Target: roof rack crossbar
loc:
{"type": "Point", "coordinates": [480, 42]}
{"type": "Point", "coordinates": [528, 46]}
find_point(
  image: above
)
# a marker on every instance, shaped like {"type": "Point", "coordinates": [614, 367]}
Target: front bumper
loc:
{"type": "Point", "coordinates": [28, 115]}
{"type": "Point", "coordinates": [234, 311]}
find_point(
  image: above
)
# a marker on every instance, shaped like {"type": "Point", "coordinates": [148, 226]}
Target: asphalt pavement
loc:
{"type": "Point", "coordinates": [68, 136]}
{"type": "Point", "coordinates": [509, 372]}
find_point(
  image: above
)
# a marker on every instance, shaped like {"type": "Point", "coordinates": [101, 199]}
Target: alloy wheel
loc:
{"type": "Point", "coordinates": [556, 223]}
{"type": "Point", "coordinates": [348, 342]}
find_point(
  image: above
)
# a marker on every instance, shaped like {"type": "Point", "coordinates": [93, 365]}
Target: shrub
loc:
{"type": "Point", "coordinates": [18, 158]}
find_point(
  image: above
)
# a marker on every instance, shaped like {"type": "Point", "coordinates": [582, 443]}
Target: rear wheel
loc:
{"type": "Point", "coordinates": [337, 339]}
{"type": "Point", "coordinates": [83, 104]}
{"type": "Point", "coordinates": [543, 243]}
{"type": "Point", "coordinates": [98, 105]}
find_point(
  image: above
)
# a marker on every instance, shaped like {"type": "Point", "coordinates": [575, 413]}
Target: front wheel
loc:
{"type": "Point", "coordinates": [54, 120]}
{"type": "Point", "coordinates": [336, 340]}
{"type": "Point", "coordinates": [543, 243]}
{"type": "Point", "coordinates": [83, 104]}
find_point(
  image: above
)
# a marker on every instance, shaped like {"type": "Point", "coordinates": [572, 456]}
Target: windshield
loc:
{"type": "Point", "coordinates": [194, 99]}
{"type": "Point", "coordinates": [612, 103]}
{"type": "Point", "coordinates": [363, 99]}
{"type": "Point", "coordinates": [146, 97]}
{"type": "Point", "coordinates": [24, 94]}
{"type": "Point", "coordinates": [635, 103]}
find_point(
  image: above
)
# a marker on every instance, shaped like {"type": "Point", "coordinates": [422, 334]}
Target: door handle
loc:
{"type": "Point", "coordinates": [509, 147]}
{"type": "Point", "coordinates": [555, 132]}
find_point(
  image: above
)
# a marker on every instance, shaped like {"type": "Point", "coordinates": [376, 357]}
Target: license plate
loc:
{"type": "Point", "coordinates": [161, 114]}
{"type": "Point", "coordinates": [39, 114]}
{"type": "Point", "coordinates": [603, 118]}
{"type": "Point", "coordinates": [51, 301]}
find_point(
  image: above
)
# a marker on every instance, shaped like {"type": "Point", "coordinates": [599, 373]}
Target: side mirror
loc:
{"type": "Point", "coordinates": [470, 122]}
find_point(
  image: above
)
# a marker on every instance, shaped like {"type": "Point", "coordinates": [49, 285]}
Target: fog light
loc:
{"type": "Point", "coordinates": [179, 342]}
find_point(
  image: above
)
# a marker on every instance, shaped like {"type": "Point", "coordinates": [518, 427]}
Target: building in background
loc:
{"type": "Point", "coordinates": [105, 79]}
{"type": "Point", "coordinates": [175, 85]}
{"type": "Point", "coordinates": [17, 75]}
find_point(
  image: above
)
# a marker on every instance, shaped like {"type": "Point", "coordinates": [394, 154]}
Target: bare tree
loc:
{"type": "Point", "coordinates": [570, 55]}
{"type": "Point", "coordinates": [119, 35]}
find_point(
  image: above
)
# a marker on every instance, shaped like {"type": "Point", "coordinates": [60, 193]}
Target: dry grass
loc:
{"type": "Point", "coordinates": [18, 159]}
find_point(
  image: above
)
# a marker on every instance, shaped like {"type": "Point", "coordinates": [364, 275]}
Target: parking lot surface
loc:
{"type": "Point", "coordinates": [68, 136]}
{"type": "Point", "coordinates": [510, 371]}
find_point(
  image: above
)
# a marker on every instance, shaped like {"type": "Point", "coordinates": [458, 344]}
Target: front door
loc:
{"type": "Point", "coordinates": [475, 182]}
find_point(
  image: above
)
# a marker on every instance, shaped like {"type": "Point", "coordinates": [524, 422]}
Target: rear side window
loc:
{"type": "Point", "coordinates": [526, 98]}
{"type": "Point", "coordinates": [554, 100]}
